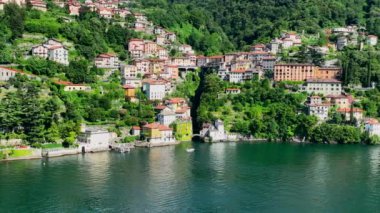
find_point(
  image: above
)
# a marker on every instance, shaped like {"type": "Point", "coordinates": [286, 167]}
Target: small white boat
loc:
{"type": "Point", "coordinates": [190, 150]}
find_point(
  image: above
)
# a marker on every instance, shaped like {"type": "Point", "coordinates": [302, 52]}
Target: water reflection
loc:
{"type": "Point", "coordinates": [215, 178]}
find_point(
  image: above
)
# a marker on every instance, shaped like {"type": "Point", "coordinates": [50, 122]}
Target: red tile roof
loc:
{"type": "Point", "coordinates": [259, 46]}
{"type": "Point", "coordinates": [182, 110]}
{"type": "Point", "coordinates": [216, 57]}
{"type": "Point", "coordinates": [128, 86]}
{"type": "Point", "coordinates": [136, 128]}
{"type": "Point", "coordinates": [136, 39]}
{"type": "Point", "coordinates": [311, 80]}
{"type": "Point", "coordinates": [348, 110]}
{"type": "Point", "coordinates": [238, 71]}
{"type": "Point", "coordinates": [160, 107]}
{"type": "Point", "coordinates": [67, 83]}
{"type": "Point", "coordinates": [176, 100]}
{"type": "Point", "coordinates": [17, 71]}
{"type": "Point", "coordinates": [371, 121]}
{"type": "Point", "coordinates": [106, 55]}
{"type": "Point", "coordinates": [53, 47]}
{"type": "Point", "coordinates": [158, 126]}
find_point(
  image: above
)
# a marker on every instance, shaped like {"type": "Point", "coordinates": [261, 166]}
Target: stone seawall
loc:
{"type": "Point", "coordinates": [10, 142]}
{"type": "Point", "coordinates": [59, 152]}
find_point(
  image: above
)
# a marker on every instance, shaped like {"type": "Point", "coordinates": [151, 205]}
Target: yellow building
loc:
{"type": "Point", "coordinates": [129, 91]}
{"type": "Point", "coordinates": [157, 133]}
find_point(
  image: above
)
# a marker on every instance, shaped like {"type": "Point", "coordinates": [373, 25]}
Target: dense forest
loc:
{"type": "Point", "coordinates": [249, 21]}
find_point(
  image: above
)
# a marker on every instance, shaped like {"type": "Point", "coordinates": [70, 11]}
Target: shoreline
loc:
{"type": "Point", "coordinates": [147, 145]}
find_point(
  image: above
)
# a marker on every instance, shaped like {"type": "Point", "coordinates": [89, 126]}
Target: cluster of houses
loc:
{"type": "Point", "coordinates": [286, 41]}
{"type": "Point", "coordinates": [352, 35]}
{"type": "Point", "coordinates": [35, 4]}
{"type": "Point", "coordinates": [52, 50]}
{"type": "Point", "coordinates": [320, 107]}
{"type": "Point", "coordinates": [173, 115]}
{"type": "Point", "coordinates": [154, 72]}
{"type": "Point", "coordinates": [241, 66]}
{"type": "Point", "coordinates": [105, 8]}
{"type": "Point", "coordinates": [324, 88]}
{"type": "Point", "coordinates": [152, 69]}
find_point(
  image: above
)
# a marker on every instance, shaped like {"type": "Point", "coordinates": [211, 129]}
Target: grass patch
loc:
{"type": "Point", "coordinates": [2, 155]}
{"type": "Point", "coordinates": [129, 139]}
{"type": "Point", "coordinates": [20, 153]}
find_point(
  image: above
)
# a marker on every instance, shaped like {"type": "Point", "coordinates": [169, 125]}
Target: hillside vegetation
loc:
{"type": "Point", "coordinates": [249, 21]}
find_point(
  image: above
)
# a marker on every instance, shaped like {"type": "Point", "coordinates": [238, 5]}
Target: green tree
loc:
{"type": "Point", "coordinates": [14, 16]}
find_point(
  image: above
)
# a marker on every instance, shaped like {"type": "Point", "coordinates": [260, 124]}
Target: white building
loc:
{"type": "Point", "coordinates": [171, 36]}
{"type": "Point", "coordinates": [372, 126]}
{"type": "Point", "coordinates": [275, 46]}
{"type": "Point", "coordinates": [341, 42]}
{"type": "Point", "coordinates": [130, 71]}
{"type": "Point", "coordinates": [186, 49]}
{"type": "Point", "coordinates": [136, 130]}
{"type": "Point", "coordinates": [155, 89]}
{"type": "Point", "coordinates": [236, 76]}
{"type": "Point", "coordinates": [232, 91]}
{"type": "Point", "coordinates": [40, 51]}
{"type": "Point", "coordinates": [372, 40]}
{"type": "Point", "coordinates": [323, 86]}
{"type": "Point", "coordinates": [58, 54]}
{"type": "Point", "coordinates": [167, 116]}
{"type": "Point", "coordinates": [95, 139]}
{"type": "Point", "coordinates": [107, 61]}
{"type": "Point", "coordinates": [268, 63]}
{"type": "Point", "coordinates": [18, 2]}
{"type": "Point", "coordinates": [7, 73]}
{"type": "Point", "coordinates": [239, 76]}
{"type": "Point", "coordinates": [317, 108]}
{"type": "Point", "coordinates": [52, 50]}
{"type": "Point", "coordinates": [215, 132]}
{"type": "Point", "coordinates": [135, 82]}
{"type": "Point", "coordinates": [69, 87]}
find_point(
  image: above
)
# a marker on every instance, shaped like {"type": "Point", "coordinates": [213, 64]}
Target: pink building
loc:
{"type": "Point", "coordinates": [104, 12]}
{"type": "Point", "coordinates": [186, 49]}
{"type": "Point", "coordinates": [142, 65]}
{"type": "Point", "coordinates": [150, 48]}
{"type": "Point", "coordinates": [74, 8]}
{"type": "Point", "coordinates": [258, 47]}
{"type": "Point", "coordinates": [160, 40]}
{"type": "Point", "coordinates": [172, 70]}
{"type": "Point", "coordinates": [356, 113]}
{"type": "Point", "coordinates": [162, 53]}
{"type": "Point", "coordinates": [136, 47]}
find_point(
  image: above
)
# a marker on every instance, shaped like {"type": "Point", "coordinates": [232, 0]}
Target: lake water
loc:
{"type": "Point", "coordinates": [221, 177]}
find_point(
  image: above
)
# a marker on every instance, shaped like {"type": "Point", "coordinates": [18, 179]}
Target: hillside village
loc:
{"type": "Point", "coordinates": [158, 64]}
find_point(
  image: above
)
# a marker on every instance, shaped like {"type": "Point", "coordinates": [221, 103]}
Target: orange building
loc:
{"type": "Point", "coordinates": [328, 73]}
{"type": "Point", "coordinates": [301, 72]}
{"type": "Point", "coordinates": [294, 72]}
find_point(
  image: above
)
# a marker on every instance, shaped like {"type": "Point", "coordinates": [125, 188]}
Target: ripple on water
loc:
{"type": "Point", "coordinates": [215, 178]}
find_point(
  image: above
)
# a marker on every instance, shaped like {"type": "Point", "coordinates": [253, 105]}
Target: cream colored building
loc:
{"type": "Point", "coordinates": [323, 86]}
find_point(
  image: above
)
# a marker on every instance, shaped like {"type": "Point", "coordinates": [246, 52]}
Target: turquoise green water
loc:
{"type": "Point", "coordinates": [215, 178]}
